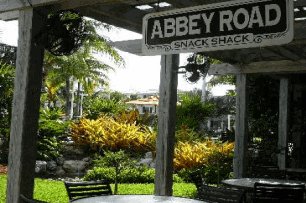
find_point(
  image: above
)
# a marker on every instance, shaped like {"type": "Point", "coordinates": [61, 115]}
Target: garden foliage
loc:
{"type": "Point", "coordinates": [51, 130]}
{"type": "Point", "coordinates": [117, 160]}
{"type": "Point", "coordinates": [192, 111]}
{"type": "Point", "coordinates": [95, 106]}
{"type": "Point", "coordinates": [140, 174]}
{"type": "Point", "coordinates": [133, 117]}
{"type": "Point", "coordinates": [213, 160]}
{"type": "Point", "coordinates": [7, 73]}
{"type": "Point", "coordinates": [105, 133]}
{"type": "Point", "coordinates": [185, 134]}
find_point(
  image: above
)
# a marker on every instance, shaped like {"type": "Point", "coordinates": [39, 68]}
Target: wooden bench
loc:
{"type": "Point", "coordinates": [77, 190]}
{"type": "Point", "coordinates": [221, 194]}
{"type": "Point", "coordinates": [278, 193]}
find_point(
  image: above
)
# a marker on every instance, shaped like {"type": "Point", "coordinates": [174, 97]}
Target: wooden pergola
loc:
{"type": "Point", "coordinates": [126, 14]}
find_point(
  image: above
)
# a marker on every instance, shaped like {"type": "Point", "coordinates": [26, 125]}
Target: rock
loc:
{"type": "Point", "coordinates": [71, 149]}
{"type": "Point", "coordinates": [148, 155]}
{"type": "Point", "coordinates": [87, 160]}
{"type": "Point", "coordinates": [147, 160]}
{"type": "Point", "coordinates": [60, 161]}
{"type": "Point", "coordinates": [60, 172]}
{"type": "Point", "coordinates": [40, 167]}
{"type": "Point", "coordinates": [73, 152]}
{"type": "Point", "coordinates": [152, 164]}
{"type": "Point", "coordinates": [74, 166]}
{"type": "Point", "coordinates": [51, 165]}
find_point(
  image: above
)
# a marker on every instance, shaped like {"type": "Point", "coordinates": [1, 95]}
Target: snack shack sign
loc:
{"type": "Point", "coordinates": [228, 25]}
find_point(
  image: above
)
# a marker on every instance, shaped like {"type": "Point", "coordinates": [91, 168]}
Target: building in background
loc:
{"type": "Point", "coordinates": [146, 105]}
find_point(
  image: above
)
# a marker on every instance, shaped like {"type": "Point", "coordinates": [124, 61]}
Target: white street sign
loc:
{"type": "Point", "coordinates": [227, 25]}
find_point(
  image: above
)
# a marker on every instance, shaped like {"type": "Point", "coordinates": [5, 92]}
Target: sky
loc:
{"type": "Point", "coordinates": [140, 74]}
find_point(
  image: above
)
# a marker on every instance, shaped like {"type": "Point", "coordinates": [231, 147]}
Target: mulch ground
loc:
{"type": "Point", "coordinates": [3, 169]}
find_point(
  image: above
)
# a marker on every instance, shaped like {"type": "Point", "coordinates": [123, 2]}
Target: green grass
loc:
{"type": "Point", "coordinates": [54, 191]}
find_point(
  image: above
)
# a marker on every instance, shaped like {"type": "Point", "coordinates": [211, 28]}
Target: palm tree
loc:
{"type": "Point", "coordinates": [82, 66]}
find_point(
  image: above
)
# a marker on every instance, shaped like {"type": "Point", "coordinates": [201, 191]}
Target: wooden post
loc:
{"type": "Point", "coordinates": [241, 136]}
{"type": "Point", "coordinates": [283, 122]}
{"type": "Point", "coordinates": [166, 125]}
{"type": "Point", "coordinates": [25, 112]}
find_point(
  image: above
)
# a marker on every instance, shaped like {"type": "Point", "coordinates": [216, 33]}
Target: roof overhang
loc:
{"type": "Point", "coordinates": [127, 14]}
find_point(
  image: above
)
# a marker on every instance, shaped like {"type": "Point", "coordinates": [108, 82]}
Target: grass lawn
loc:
{"type": "Point", "coordinates": [54, 191]}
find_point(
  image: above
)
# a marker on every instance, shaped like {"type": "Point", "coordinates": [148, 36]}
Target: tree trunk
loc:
{"type": "Point", "coordinates": [69, 99]}
{"type": "Point", "coordinates": [78, 101]}
{"type": "Point", "coordinates": [116, 182]}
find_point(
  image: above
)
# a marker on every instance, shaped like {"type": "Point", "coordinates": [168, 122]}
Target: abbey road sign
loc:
{"type": "Point", "coordinates": [227, 25]}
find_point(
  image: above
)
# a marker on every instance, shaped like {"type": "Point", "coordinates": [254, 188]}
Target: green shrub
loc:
{"type": "Point", "coordinates": [192, 111]}
{"type": "Point", "coordinates": [128, 175]}
{"type": "Point", "coordinates": [96, 106]}
{"type": "Point", "coordinates": [51, 130]}
{"type": "Point", "coordinates": [7, 73]}
{"type": "Point", "coordinates": [100, 173]}
{"type": "Point", "coordinates": [185, 134]}
{"type": "Point", "coordinates": [118, 160]}
{"type": "Point", "coordinates": [212, 161]}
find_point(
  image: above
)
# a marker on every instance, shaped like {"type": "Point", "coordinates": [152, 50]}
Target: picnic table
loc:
{"type": "Point", "coordinates": [136, 198]}
{"type": "Point", "coordinates": [248, 183]}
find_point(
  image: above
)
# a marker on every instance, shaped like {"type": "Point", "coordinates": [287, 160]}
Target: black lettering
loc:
{"type": "Point", "coordinates": [222, 40]}
{"type": "Point", "coordinates": [237, 38]}
{"type": "Point", "coordinates": [204, 42]}
{"type": "Point", "coordinates": [245, 38]}
{"type": "Point", "coordinates": [184, 44]}
{"type": "Point", "coordinates": [214, 41]}
{"type": "Point", "coordinates": [191, 44]}
{"type": "Point", "coordinates": [176, 45]}
{"type": "Point", "coordinates": [198, 43]}
{"type": "Point", "coordinates": [230, 40]}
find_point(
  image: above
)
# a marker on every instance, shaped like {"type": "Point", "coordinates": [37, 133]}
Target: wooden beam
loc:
{"type": "Point", "coordinates": [283, 122]}
{"type": "Point", "coordinates": [81, 3]}
{"type": "Point", "coordinates": [130, 46]}
{"type": "Point", "coordinates": [299, 30]}
{"type": "Point", "coordinates": [284, 66]}
{"type": "Point", "coordinates": [183, 3]}
{"type": "Point", "coordinates": [224, 69]}
{"type": "Point", "coordinates": [10, 5]}
{"type": "Point", "coordinates": [241, 131]}
{"type": "Point", "coordinates": [166, 125]}
{"type": "Point", "coordinates": [26, 103]}
{"type": "Point", "coordinates": [180, 4]}
{"type": "Point", "coordinates": [10, 15]}
{"type": "Point", "coordinates": [300, 3]}
{"type": "Point", "coordinates": [121, 16]}
{"type": "Point", "coordinates": [285, 52]}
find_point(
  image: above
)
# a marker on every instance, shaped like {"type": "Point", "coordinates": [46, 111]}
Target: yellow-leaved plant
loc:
{"type": "Point", "coordinates": [106, 133]}
{"type": "Point", "coordinates": [188, 155]}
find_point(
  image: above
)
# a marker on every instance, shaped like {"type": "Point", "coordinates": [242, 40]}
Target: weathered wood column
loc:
{"type": "Point", "coordinates": [241, 136]}
{"type": "Point", "coordinates": [283, 122]}
{"type": "Point", "coordinates": [26, 102]}
{"type": "Point", "coordinates": [166, 125]}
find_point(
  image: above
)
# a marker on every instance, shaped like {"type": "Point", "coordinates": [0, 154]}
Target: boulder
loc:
{"type": "Point", "coordinates": [60, 160]}
{"type": "Point", "coordinates": [41, 167]}
{"type": "Point", "coordinates": [74, 166]}
{"type": "Point", "coordinates": [60, 172]}
{"type": "Point", "coordinates": [51, 165]}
